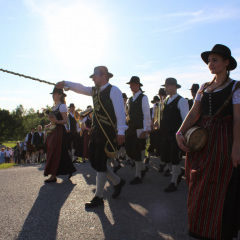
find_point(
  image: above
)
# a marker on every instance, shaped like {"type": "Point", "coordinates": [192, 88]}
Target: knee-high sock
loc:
{"type": "Point", "coordinates": [139, 166]}
{"type": "Point", "coordinates": [114, 178]}
{"type": "Point", "coordinates": [176, 171]}
{"type": "Point", "coordinates": [101, 181]}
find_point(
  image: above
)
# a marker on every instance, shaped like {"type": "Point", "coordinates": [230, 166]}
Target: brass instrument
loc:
{"type": "Point", "coordinates": [86, 112]}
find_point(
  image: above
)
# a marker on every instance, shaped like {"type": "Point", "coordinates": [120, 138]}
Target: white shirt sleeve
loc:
{"type": "Point", "coordinates": [79, 88]}
{"type": "Point", "coordinates": [146, 114]}
{"type": "Point", "coordinates": [63, 108]}
{"type": "Point", "coordinates": [183, 107]}
{"type": "Point", "coordinates": [153, 110]}
{"type": "Point", "coordinates": [236, 95]}
{"type": "Point", "coordinates": [26, 139]}
{"type": "Point", "coordinates": [118, 105]}
{"type": "Point", "coordinates": [199, 95]}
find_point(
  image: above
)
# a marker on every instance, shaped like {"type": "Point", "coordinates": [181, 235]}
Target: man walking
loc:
{"type": "Point", "coordinates": [174, 112]}
{"type": "Point", "coordinates": [139, 125]}
{"type": "Point", "coordinates": [108, 116]}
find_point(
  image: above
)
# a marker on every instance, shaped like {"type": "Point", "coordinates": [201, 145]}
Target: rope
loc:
{"type": "Point", "coordinates": [22, 75]}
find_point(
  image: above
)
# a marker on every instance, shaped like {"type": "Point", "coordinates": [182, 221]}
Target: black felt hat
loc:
{"type": "Point", "coordinates": [194, 87]}
{"type": "Point", "coordinates": [58, 90]}
{"type": "Point", "coordinates": [171, 81]}
{"type": "Point", "coordinates": [135, 79]}
{"type": "Point", "coordinates": [155, 98]}
{"type": "Point", "coordinates": [224, 51]}
{"type": "Point", "coordinates": [162, 92]}
{"type": "Point", "coordinates": [71, 105]}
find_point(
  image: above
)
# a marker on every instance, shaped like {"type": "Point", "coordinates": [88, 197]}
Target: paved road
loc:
{"type": "Point", "coordinates": [31, 209]}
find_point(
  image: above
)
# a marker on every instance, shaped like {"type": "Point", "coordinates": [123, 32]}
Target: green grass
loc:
{"type": "Point", "coordinates": [10, 144]}
{"type": "Point", "coordinates": [7, 165]}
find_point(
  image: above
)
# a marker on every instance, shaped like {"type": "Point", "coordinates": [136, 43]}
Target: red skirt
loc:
{"type": "Point", "coordinates": [208, 173]}
{"type": "Point", "coordinates": [58, 159]}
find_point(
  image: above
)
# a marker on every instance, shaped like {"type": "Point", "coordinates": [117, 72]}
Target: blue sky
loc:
{"type": "Point", "coordinates": [58, 40]}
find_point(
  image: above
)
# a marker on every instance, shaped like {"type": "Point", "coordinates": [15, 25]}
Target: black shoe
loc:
{"type": "Point", "coordinates": [143, 172]}
{"type": "Point", "coordinates": [180, 176]}
{"type": "Point", "coordinates": [166, 173]}
{"type": "Point", "coordinates": [117, 160]}
{"type": "Point", "coordinates": [115, 169]}
{"type": "Point", "coordinates": [161, 168]}
{"type": "Point", "coordinates": [147, 160]}
{"type": "Point", "coordinates": [136, 180]}
{"type": "Point", "coordinates": [171, 188]}
{"type": "Point", "coordinates": [95, 202]}
{"type": "Point", "coordinates": [118, 188]}
{"type": "Point", "coordinates": [123, 158]}
{"type": "Point", "coordinates": [49, 181]}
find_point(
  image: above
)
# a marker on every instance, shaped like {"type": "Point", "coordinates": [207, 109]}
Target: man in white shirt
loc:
{"type": "Point", "coordinates": [139, 125]}
{"type": "Point", "coordinates": [175, 110]}
{"type": "Point", "coordinates": [108, 116]}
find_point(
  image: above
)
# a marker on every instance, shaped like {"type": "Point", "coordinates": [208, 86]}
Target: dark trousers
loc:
{"type": "Point", "coordinates": [169, 149]}
{"type": "Point", "coordinates": [97, 155]}
{"type": "Point", "coordinates": [134, 145]}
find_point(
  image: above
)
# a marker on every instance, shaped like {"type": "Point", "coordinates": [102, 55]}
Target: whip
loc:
{"type": "Point", "coordinates": [22, 75]}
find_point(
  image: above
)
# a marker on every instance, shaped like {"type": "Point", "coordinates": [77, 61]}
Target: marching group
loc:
{"type": "Point", "coordinates": [117, 126]}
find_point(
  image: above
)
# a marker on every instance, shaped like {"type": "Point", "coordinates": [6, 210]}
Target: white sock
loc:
{"type": "Point", "coordinates": [101, 181]}
{"type": "Point", "coordinates": [176, 171]}
{"type": "Point", "coordinates": [114, 178]}
{"type": "Point", "coordinates": [139, 167]}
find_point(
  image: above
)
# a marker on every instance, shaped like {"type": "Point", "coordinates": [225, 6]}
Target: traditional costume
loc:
{"type": "Point", "coordinates": [58, 159]}
{"type": "Point", "coordinates": [108, 116]}
{"type": "Point", "coordinates": [174, 112]}
{"type": "Point", "coordinates": [213, 182]}
{"type": "Point", "coordinates": [139, 121]}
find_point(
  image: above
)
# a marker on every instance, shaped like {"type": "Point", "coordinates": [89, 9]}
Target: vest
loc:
{"type": "Point", "coordinates": [211, 102]}
{"type": "Point", "coordinates": [172, 119]}
{"type": "Point", "coordinates": [101, 122]}
{"type": "Point", "coordinates": [29, 138]}
{"type": "Point", "coordinates": [72, 121]}
{"type": "Point", "coordinates": [135, 112]}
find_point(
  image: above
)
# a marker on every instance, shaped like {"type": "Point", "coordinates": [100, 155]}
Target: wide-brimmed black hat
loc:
{"type": "Point", "coordinates": [194, 87]}
{"type": "Point", "coordinates": [71, 105]}
{"type": "Point", "coordinates": [222, 50]}
{"type": "Point", "coordinates": [134, 79]}
{"type": "Point", "coordinates": [124, 95]}
{"type": "Point", "coordinates": [155, 98]}
{"type": "Point", "coordinates": [162, 92]}
{"type": "Point", "coordinates": [101, 70]}
{"type": "Point", "coordinates": [171, 81]}
{"type": "Point", "coordinates": [58, 90]}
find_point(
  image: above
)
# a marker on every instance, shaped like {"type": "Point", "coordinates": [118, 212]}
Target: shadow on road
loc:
{"type": "Point", "coordinates": [42, 220]}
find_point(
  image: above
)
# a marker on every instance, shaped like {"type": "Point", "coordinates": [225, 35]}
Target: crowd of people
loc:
{"type": "Point", "coordinates": [116, 128]}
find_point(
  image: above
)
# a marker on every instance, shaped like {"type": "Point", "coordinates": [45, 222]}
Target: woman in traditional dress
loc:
{"type": "Point", "coordinates": [58, 159]}
{"type": "Point", "coordinates": [213, 173]}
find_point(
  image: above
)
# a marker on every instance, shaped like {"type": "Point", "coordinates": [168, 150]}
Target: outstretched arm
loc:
{"type": "Point", "coordinates": [76, 87]}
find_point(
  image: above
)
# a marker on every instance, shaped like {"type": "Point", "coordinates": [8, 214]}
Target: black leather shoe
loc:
{"type": "Point", "coordinates": [135, 181]}
{"type": "Point", "coordinates": [49, 181]}
{"type": "Point", "coordinates": [143, 172]}
{"type": "Point", "coordinates": [180, 176]}
{"type": "Point", "coordinates": [171, 188]}
{"type": "Point", "coordinates": [115, 169]}
{"type": "Point", "coordinates": [95, 202]}
{"type": "Point", "coordinates": [147, 160]}
{"type": "Point", "coordinates": [161, 168]}
{"type": "Point", "coordinates": [118, 188]}
{"type": "Point", "coordinates": [166, 173]}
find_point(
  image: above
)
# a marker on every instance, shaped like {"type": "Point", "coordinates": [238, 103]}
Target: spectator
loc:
{"type": "Point", "coordinates": [2, 156]}
{"type": "Point", "coordinates": [7, 155]}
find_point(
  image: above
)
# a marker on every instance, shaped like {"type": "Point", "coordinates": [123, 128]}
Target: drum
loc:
{"type": "Point", "coordinates": [196, 138]}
